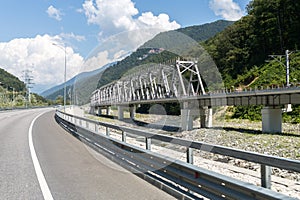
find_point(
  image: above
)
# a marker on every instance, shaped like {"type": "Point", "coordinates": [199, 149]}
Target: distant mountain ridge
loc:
{"type": "Point", "coordinates": [199, 33]}
{"type": "Point", "coordinates": [163, 40]}
{"type": "Point", "coordinates": [53, 92]}
{"type": "Point", "coordinates": [205, 31]}
{"type": "Point", "coordinates": [115, 71]}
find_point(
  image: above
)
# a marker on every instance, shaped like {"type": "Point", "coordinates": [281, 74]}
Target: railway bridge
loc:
{"type": "Point", "coordinates": [183, 83]}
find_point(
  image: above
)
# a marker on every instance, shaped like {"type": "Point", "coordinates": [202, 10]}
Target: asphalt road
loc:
{"type": "Point", "coordinates": [70, 169]}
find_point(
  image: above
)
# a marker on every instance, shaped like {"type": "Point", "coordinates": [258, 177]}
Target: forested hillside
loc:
{"type": "Point", "coordinates": [8, 80]}
{"type": "Point", "coordinates": [242, 51]}
{"type": "Point", "coordinates": [13, 92]}
{"type": "Point", "coordinates": [270, 28]}
{"type": "Point", "coordinates": [142, 56]}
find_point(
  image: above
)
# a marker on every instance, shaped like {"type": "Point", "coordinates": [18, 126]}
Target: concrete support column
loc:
{"type": "Point", "coordinates": [99, 111]}
{"type": "Point", "coordinates": [121, 112]}
{"type": "Point", "coordinates": [209, 118]}
{"type": "Point", "coordinates": [271, 120]}
{"type": "Point", "coordinates": [92, 110]}
{"type": "Point", "coordinates": [188, 113]}
{"type": "Point", "coordinates": [202, 118]}
{"type": "Point", "coordinates": [107, 110]}
{"type": "Point", "coordinates": [132, 110]}
{"type": "Point", "coordinates": [206, 114]}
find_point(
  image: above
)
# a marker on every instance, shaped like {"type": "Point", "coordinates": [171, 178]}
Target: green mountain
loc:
{"type": "Point", "coordinates": [163, 48]}
{"type": "Point", "coordinates": [86, 85]}
{"type": "Point", "coordinates": [205, 31]}
{"type": "Point", "coordinates": [9, 81]}
{"type": "Point", "coordinates": [198, 33]}
{"type": "Point", "coordinates": [240, 49]}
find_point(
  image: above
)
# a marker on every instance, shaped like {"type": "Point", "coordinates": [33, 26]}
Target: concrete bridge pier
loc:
{"type": "Point", "coordinates": [121, 112]}
{"type": "Point", "coordinates": [189, 111]}
{"type": "Point", "coordinates": [99, 111]}
{"type": "Point", "coordinates": [271, 120]}
{"type": "Point", "coordinates": [206, 114]}
{"type": "Point", "coordinates": [92, 110]}
{"type": "Point", "coordinates": [121, 109]}
{"type": "Point", "coordinates": [210, 118]}
{"type": "Point", "coordinates": [107, 110]}
{"type": "Point", "coordinates": [132, 110]}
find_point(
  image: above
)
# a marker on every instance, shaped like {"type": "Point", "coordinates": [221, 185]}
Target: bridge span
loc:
{"type": "Point", "coordinates": [183, 83]}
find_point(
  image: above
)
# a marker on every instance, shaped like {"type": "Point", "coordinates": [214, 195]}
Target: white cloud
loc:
{"type": "Point", "coordinates": [122, 29]}
{"type": "Point", "coordinates": [45, 60]}
{"type": "Point", "coordinates": [117, 47]}
{"type": "Point", "coordinates": [78, 38]}
{"type": "Point", "coordinates": [97, 61]}
{"type": "Point", "coordinates": [227, 9]}
{"type": "Point", "coordinates": [162, 21]}
{"type": "Point", "coordinates": [54, 13]}
{"type": "Point", "coordinates": [115, 16]}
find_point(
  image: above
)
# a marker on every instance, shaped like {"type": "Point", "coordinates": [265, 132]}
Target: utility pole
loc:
{"type": "Point", "coordinates": [287, 54]}
{"type": "Point", "coordinates": [64, 48]}
{"type": "Point", "coordinates": [287, 65]}
{"type": "Point", "coordinates": [28, 82]}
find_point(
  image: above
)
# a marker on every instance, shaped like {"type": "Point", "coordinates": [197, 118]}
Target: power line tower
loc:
{"type": "Point", "coordinates": [28, 78]}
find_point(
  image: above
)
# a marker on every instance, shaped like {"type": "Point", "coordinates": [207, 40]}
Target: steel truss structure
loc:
{"type": "Point", "coordinates": [150, 82]}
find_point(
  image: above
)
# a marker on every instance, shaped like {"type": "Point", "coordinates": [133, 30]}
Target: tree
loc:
{"type": "Point", "coordinates": [59, 100]}
{"type": "Point", "coordinates": [277, 24]}
{"type": "Point", "coordinates": [270, 27]}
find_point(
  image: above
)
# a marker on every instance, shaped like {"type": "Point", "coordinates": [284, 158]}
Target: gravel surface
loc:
{"type": "Point", "coordinates": [239, 134]}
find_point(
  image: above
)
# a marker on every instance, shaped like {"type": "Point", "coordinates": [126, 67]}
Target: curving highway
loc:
{"type": "Point", "coordinates": [40, 160]}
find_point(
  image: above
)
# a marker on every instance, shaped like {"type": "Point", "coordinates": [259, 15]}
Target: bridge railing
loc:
{"type": "Point", "coordinates": [254, 90]}
{"type": "Point", "coordinates": [268, 90]}
{"type": "Point", "coordinates": [194, 179]}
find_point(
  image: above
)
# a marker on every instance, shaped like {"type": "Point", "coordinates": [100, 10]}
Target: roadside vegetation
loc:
{"type": "Point", "coordinates": [14, 94]}
{"type": "Point", "coordinates": [243, 52]}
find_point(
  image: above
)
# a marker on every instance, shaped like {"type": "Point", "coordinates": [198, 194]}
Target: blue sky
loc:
{"type": "Point", "coordinates": [30, 27]}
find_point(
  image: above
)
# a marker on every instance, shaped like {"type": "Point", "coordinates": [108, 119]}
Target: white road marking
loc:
{"type": "Point", "coordinates": [38, 170]}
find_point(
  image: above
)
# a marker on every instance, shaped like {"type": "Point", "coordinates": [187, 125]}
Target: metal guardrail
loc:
{"type": "Point", "coordinates": [189, 180]}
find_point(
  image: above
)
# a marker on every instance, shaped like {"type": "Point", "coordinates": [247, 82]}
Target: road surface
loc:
{"type": "Point", "coordinates": [68, 168]}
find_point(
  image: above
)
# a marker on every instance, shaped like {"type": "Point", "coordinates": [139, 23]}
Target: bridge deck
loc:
{"type": "Point", "coordinates": [272, 97]}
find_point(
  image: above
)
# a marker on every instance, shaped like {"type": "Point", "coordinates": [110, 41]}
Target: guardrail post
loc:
{"type": "Point", "coordinates": [96, 128]}
{"type": "Point", "coordinates": [148, 143]}
{"type": "Point", "coordinates": [265, 176]}
{"type": "Point", "coordinates": [123, 136]}
{"type": "Point", "coordinates": [189, 155]}
{"type": "Point", "coordinates": [107, 131]}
